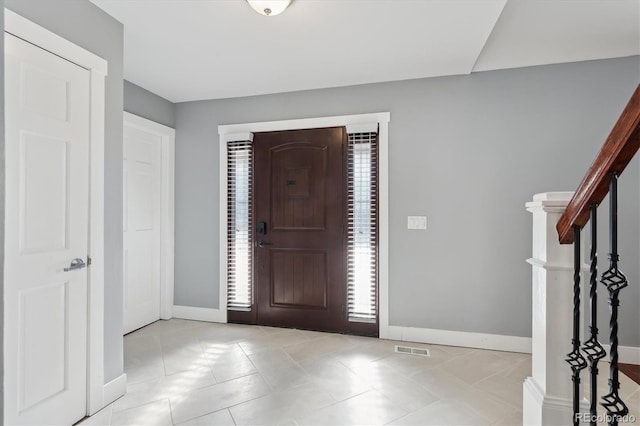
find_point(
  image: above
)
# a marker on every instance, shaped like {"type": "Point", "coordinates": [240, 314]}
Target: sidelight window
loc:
{"type": "Point", "coordinates": [362, 227]}
{"type": "Point", "coordinates": [239, 235]}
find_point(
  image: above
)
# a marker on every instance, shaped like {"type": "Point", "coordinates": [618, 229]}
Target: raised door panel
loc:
{"type": "Point", "coordinates": [298, 187]}
{"type": "Point", "coordinates": [299, 279]}
{"type": "Point", "coordinates": [141, 199]}
{"type": "Point", "coordinates": [44, 188]}
{"type": "Point", "coordinates": [44, 92]}
{"type": "Point", "coordinates": [44, 332]}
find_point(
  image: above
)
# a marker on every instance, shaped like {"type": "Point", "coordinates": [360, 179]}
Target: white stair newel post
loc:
{"type": "Point", "coordinates": [547, 395]}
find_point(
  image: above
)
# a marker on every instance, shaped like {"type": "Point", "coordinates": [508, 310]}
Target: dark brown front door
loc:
{"type": "Point", "coordinates": [299, 202]}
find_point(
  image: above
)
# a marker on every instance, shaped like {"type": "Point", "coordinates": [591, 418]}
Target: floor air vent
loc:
{"type": "Point", "coordinates": [412, 351]}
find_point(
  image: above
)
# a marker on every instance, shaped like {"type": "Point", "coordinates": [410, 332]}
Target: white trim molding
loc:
{"type": "Point", "coordinates": [304, 123]}
{"type": "Point", "coordinates": [554, 410]}
{"type": "Point", "coordinates": [460, 338]}
{"type": "Point", "coordinates": [97, 67]}
{"type": "Point", "coordinates": [362, 128]}
{"type": "Point", "coordinates": [115, 389]}
{"type": "Point", "coordinates": [626, 354]}
{"type": "Point", "coordinates": [200, 314]}
{"type": "Point", "coordinates": [33, 33]}
{"type": "Point", "coordinates": [231, 132]}
{"type": "Point", "coordinates": [167, 136]}
{"type": "Point", "coordinates": [239, 137]}
{"type": "Point", "coordinates": [553, 267]}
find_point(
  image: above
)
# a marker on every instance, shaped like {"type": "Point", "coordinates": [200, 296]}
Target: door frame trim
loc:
{"type": "Point", "coordinates": [98, 68]}
{"type": "Point", "coordinates": [231, 132]}
{"type": "Point", "coordinates": [167, 137]}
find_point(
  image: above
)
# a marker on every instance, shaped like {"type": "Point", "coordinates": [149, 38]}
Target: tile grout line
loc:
{"type": "Point", "coordinates": [233, 419]}
{"type": "Point", "coordinates": [215, 379]}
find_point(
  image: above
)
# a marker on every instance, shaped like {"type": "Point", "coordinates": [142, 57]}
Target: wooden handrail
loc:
{"type": "Point", "coordinates": [618, 150]}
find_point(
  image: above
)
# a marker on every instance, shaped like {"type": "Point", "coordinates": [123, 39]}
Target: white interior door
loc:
{"type": "Point", "coordinates": [46, 226]}
{"type": "Point", "coordinates": [142, 212]}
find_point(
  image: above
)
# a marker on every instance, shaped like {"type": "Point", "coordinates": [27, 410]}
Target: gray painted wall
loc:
{"type": "Point", "coordinates": [88, 26]}
{"type": "Point", "coordinates": [145, 104]}
{"type": "Point", "coordinates": [466, 151]}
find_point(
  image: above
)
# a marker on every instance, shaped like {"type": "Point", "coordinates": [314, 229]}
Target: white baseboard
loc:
{"type": "Point", "coordinates": [457, 338]}
{"type": "Point", "coordinates": [626, 354]}
{"type": "Point", "coordinates": [200, 314]}
{"type": "Point", "coordinates": [115, 389]}
{"type": "Point", "coordinates": [541, 409]}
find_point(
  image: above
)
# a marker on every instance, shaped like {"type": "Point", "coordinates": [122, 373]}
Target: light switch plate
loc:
{"type": "Point", "coordinates": [416, 222]}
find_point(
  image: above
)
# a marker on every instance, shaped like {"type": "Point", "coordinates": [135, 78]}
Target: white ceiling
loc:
{"type": "Point", "coordinates": [186, 50]}
{"type": "Point", "coordinates": [551, 31]}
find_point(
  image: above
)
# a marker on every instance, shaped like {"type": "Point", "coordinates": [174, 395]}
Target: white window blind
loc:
{"type": "Point", "coordinates": [362, 235]}
{"type": "Point", "coordinates": [239, 235]}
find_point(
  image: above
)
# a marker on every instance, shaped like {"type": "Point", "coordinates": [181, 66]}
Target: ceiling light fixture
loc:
{"type": "Point", "coordinates": [269, 7]}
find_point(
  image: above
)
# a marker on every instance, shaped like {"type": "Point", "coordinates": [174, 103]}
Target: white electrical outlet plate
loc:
{"type": "Point", "coordinates": [416, 222]}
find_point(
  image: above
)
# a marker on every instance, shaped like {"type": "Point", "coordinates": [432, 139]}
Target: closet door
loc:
{"type": "Point", "coordinates": [142, 215]}
{"type": "Point", "coordinates": [47, 105]}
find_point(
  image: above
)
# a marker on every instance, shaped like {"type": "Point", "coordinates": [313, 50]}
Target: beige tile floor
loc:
{"type": "Point", "coordinates": [195, 373]}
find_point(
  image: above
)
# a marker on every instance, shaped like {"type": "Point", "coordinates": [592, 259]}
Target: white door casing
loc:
{"type": "Point", "coordinates": [47, 226]}
{"type": "Point", "coordinates": [243, 131]}
{"type": "Point", "coordinates": [148, 221]}
{"type": "Point", "coordinates": [96, 68]}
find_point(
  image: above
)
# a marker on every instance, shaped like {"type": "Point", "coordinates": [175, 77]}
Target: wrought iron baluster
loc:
{"type": "Point", "coordinates": [592, 347]}
{"type": "Point", "coordinates": [615, 281]}
{"type": "Point", "coordinates": [575, 358]}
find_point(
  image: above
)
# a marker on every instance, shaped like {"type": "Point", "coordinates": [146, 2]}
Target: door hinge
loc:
{"type": "Point", "coordinates": [88, 261]}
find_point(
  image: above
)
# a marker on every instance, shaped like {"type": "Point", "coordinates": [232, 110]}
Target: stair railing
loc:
{"type": "Point", "coordinates": [601, 179]}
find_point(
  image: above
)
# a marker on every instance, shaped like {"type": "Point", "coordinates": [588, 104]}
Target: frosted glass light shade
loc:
{"type": "Point", "coordinates": [269, 7]}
